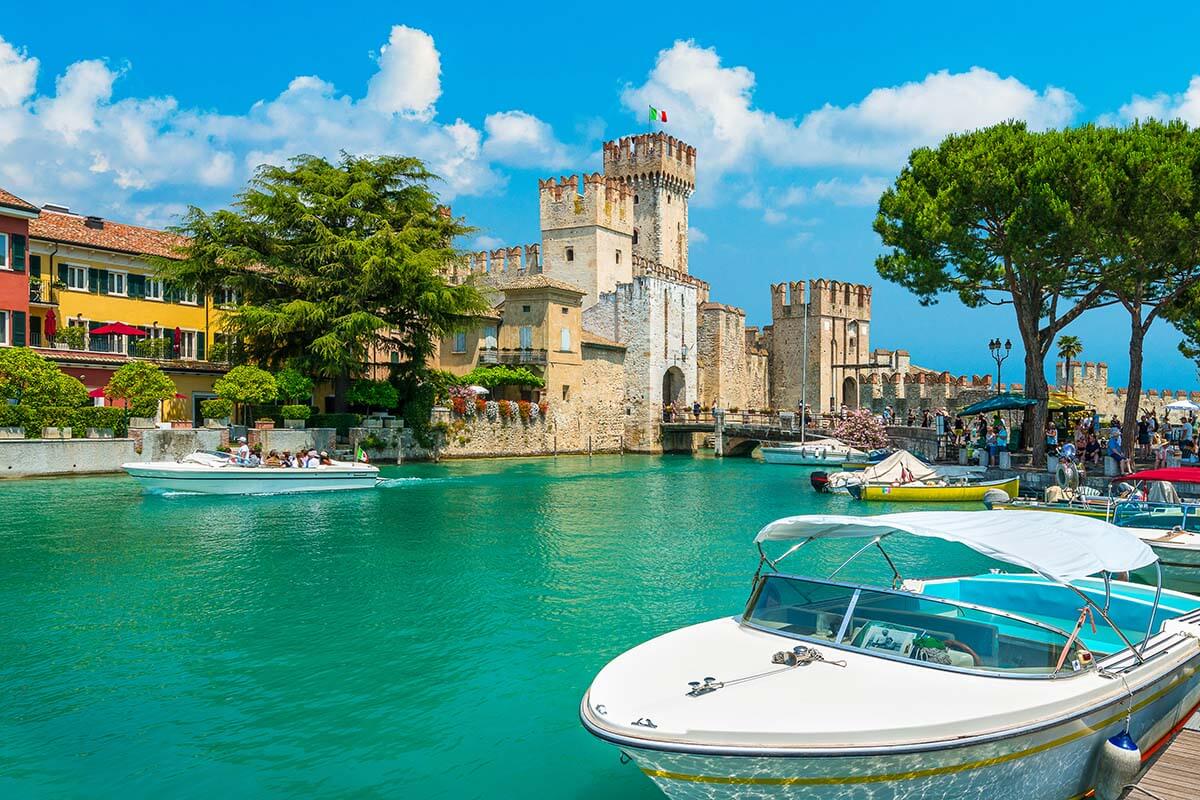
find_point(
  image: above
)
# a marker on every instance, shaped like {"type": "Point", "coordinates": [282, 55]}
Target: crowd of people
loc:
{"type": "Point", "coordinates": [246, 457]}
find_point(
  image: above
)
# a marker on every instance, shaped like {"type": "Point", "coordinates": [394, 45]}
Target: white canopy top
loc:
{"type": "Point", "coordinates": [1060, 546]}
{"type": "Point", "coordinates": [1182, 405]}
{"type": "Point", "coordinates": [891, 468]}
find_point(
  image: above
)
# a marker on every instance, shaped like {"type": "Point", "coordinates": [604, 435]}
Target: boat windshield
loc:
{"type": "Point", "coordinates": [906, 626]}
{"type": "Point", "coordinates": [1157, 516]}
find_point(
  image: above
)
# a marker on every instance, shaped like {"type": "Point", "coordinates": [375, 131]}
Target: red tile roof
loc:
{"type": "Point", "coordinates": [55, 226]}
{"type": "Point", "coordinates": [12, 201]}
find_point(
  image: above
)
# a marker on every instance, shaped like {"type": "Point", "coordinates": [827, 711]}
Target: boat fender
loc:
{"type": "Point", "coordinates": [994, 497]}
{"type": "Point", "coordinates": [1117, 766]}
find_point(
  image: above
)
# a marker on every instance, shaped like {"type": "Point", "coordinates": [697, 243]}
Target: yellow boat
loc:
{"type": "Point", "coordinates": [946, 492]}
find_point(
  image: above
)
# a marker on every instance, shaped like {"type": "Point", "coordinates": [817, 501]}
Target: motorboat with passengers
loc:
{"type": "Point", "coordinates": [987, 685]}
{"type": "Point", "coordinates": [218, 473]}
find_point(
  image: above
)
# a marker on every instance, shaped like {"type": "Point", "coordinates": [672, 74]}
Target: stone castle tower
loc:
{"type": "Point", "coordinates": [661, 172]}
{"type": "Point", "coordinates": [587, 239]}
{"type": "Point", "coordinates": [839, 352]}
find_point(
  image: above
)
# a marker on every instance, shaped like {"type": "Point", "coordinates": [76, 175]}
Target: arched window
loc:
{"type": "Point", "coordinates": [635, 199]}
{"type": "Point", "coordinates": [635, 235]}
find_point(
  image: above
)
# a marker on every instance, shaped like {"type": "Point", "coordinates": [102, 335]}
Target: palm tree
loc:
{"type": "Point", "coordinates": [1068, 348]}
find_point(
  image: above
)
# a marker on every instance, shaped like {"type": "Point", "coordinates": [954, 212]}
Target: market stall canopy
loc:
{"type": "Point", "coordinates": [1061, 401]}
{"type": "Point", "coordinates": [117, 329]}
{"type": "Point", "coordinates": [1060, 546]}
{"type": "Point", "coordinates": [1168, 474]}
{"type": "Point", "coordinates": [1006, 401]}
{"type": "Point", "coordinates": [1182, 405]}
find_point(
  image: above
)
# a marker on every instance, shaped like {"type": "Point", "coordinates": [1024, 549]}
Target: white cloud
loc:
{"type": "Point", "coordinates": [409, 78]}
{"type": "Point", "coordinates": [696, 236]}
{"type": "Point", "coordinates": [523, 140]}
{"type": "Point", "coordinates": [863, 192]}
{"type": "Point", "coordinates": [1162, 106]}
{"type": "Point", "coordinates": [487, 243]}
{"type": "Point", "coordinates": [144, 158]}
{"type": "Point", "coordinates": [773, 216]}
{"type": "Point", "coordinates": [711, 106]}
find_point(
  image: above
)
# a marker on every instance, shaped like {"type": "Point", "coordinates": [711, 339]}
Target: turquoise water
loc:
{"type": "Point", "coordinates": [428, 639]}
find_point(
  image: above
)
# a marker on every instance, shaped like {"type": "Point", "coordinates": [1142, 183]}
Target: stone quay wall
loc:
{"type": "Point", "coordinates": [28, 458]}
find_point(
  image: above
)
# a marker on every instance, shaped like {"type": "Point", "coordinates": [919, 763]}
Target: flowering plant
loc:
{"type": "Point", "coordinates": [544, 407]}
{"type": "Point", "coordinates": [505, 409]}
{"type": "Point", "coordinates": [861, 429]}
{"type": "Point", "coordinates": [459, 404]}
{"type": "Point", "coordinates": [533, 411]}
{"type": "Point", "coordinates": [523, 410]}
{"type": "Point", "coordinates": [493, 410]}
{"type": "Point", "coordinates": [480, 406]}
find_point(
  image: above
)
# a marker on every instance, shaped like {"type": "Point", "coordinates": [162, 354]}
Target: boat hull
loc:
{"type": "Point", "coordinates": [803, 457]}
{"type": "Point", "coordinates": [168, 478]}
{"type": "Point", "coordinates": [1180, 567]}
{"type": "Point", "coordinates": [933, 494]}
{"type": "Point", "coordinates": [1093, 511]}
{"type": "Point", "coordinates": [1051, 763]}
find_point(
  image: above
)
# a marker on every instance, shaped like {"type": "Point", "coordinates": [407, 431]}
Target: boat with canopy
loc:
{"type": "Point", "coordinates": [904, 478]}
{"type": "Point", "coordinates": [988, 685]}
{"type": "Point", "coordinates": [218, 473]}
{"type": "Point", "coordinates": [897, 468]}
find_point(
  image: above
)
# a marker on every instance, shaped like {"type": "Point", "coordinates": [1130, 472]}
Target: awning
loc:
{"type": "Point", "coordinates": [117, 329]}
{"type": "Point", "coordinates": [1182, 405]}
{"type": "Point", "coordinates": [1060, 546]}
{"type": "Point", "coordinates": [1061, 401]}
{"type": "Point", "coordinates": [1168, 474]}
{"type": "Point", "coordinates": [1000, 402]}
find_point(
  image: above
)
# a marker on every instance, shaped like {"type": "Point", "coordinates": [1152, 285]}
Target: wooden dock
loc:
{"type": "Point", "coordinates": [1174, 774]}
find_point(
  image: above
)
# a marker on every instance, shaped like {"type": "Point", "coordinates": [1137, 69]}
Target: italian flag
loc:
{"type": "Point", "coordinates": [657, 115]}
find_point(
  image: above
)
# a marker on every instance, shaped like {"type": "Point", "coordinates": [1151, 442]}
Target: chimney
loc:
{"type": "Point", "coordinates": [56, 207]}
{"type": "Point", "coordinates": [92, 221]}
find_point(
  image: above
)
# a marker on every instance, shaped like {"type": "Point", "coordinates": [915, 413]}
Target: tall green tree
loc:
{"type": "Point", "coordinates": [1151, 253]}
{"type": "Point", "coordinates": [32, 380]}
{"type": "Point", "coordinates": [331, 260]}
{"type": "Point", "coordinates": [142, 386]}
{"type": "Point", "coordinates": [1069, 347]}
{"type": "Point", "coordinates": [1002, 216]}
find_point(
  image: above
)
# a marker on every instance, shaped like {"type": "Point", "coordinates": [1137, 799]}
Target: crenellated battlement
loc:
{"type": "Point", "coordinates": [499, 264]}
{"type": "Point", "coordinates": [644, 266]}
{"type": "Point", "coordinates": [824, 297]}
{"type": "Point", "coordinates": [652, 158]}
{"type": "Point", "coordinates": [605, 201]}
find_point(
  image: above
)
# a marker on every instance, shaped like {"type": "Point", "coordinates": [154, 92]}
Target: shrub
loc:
{"type": "Point", "coordinates": [544, 407]}
{"type": "Point", "coordinates": [296, 412]}
{"type": "Point", "coordinates": [142, 385]}
{"type": "Point", "coordinates": [523, 410]}
{"type": "Point", "coordinates": [246, 384]}
{"type": "Point", "coordinates": [100, 417]}
{"type": "Point", "coordinates": [293, 387]}
{"type": "Point", "coordinates": [33, 380]}
{"type": "Point", "coordinates": [342, 422]}
{"type": "Point", "coordinates": [151, 348]}
{"type": "Point", "coordinates": [861, 429]}
{"type": "Point", "coordinates": [217, 408]}
{"type": "Point", "coordinates": [373, 394]}
{"type": "Point", "coordinates": [502, 375]}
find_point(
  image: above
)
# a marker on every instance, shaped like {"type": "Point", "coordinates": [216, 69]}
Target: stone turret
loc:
{"type": "Point", "coordinates": [587, 239]}
{"type": "Point", "coordinates": [661, 170]}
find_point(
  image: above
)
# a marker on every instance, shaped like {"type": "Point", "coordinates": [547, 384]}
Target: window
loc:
{"type": "Point", "coordinates": [618, 256]}
{"type": "Point", "coordinates": [564, 309]}
{"type": "Point", "coordinates": [460, 342]}
{"type": "Point", "coordinates": [564, 343]}
{"type": "Point", "coordinates": [188, 296]}
{"type": "Point", "coordinates": [566, 392]}
{"type": "Point", "coordinates": [526, 337]}
{"type": "Point", "coordinates": [635, 236]}
{"type": "Point", "coordinates": [4, 262]}
{"type": "Point", "coordinates": [154, 289]}
{"type": "Point", "coordinates": [116, 282]}
{"type": "Point", "coordinates": [226, 298]}
{"type": "Point", "coordinates": [77, 278]}
{"type": "Point", "coordinates": [570, 254]}
{"type": "Point", "coordinates": [395, 357]}
{"type": "Point", "coordinates": [4, 340]}
{"type": "Point", "coordinates": [187, 344]}
{"type": "Point", "coordinates": [635, 199]}
{"type": "Point", "coordinates": [489, 336]}
{"type": "Point", "coordinates": [525, 309]}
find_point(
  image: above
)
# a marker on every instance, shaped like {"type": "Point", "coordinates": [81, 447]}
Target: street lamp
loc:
{"type": "Point", "coordinates": [999, 353]}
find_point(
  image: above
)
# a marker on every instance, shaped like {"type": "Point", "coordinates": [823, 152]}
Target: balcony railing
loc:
{"type": "Point", "coordinates": [39, 292]}
{"type": "Point", "coordinates": [520, 356]}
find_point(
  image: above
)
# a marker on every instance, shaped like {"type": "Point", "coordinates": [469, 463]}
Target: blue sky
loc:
{"type": "Point", "coordinates": [800, 115]}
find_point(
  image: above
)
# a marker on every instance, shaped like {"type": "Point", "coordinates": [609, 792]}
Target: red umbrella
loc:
{"type": "Point", "coordinates": [96, 392]}
{"type": "Point", "coordinates": [179, 396]}
{"type": "Point", "coordinates": [118, 329]}
{"type": "Point", "coordinates": [51, 324]}
{"type": "Point", "coordinates": [178, 338]}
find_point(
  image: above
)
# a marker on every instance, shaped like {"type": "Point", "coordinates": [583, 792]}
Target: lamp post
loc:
{"type": "Point", "coordinates": [999, 353]}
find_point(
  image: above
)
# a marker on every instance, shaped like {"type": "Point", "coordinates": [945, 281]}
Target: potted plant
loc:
{"type": "Point", "coordinates": [216, 412]}
{"type": "Point", "coordinates": [142, 386]}
{"type": "Point", "coordinates": [294, 416]}
{"type": "Point", "coordinates": [247, 385]}
{"type": "Point", "coordinates": [264, 424]}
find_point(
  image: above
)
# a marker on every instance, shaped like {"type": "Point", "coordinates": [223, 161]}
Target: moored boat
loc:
{"type": "Point", "coordinates": [900, 466]}
{"type": "Point", "coordinates": [819, 453]}
{"type": "Point", "coordinates": [990, 685]}
{"type": "Point", "coordinates": [942, 490]}
{"type": "Point", "coordinates": [217, 473]}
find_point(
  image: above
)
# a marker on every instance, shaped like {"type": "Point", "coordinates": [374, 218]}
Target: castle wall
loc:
{"type": "Point", "coordinates": [1089, 384]}
{"type": "Point", "coordinates": [656, 319]}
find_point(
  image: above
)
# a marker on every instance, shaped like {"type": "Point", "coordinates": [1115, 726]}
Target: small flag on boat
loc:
{"type": "Point", "coordinates": [360, 455]}
{"type": "Point", "coordinates": [657, 114]}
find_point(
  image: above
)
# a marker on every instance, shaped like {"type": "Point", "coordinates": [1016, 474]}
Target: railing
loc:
{"type": "Point", "coordinates": [489, 356]}
{"type": "Point", "coordinates": [39, 292]}
{"type": "Point", "coordinates": [520, 356]}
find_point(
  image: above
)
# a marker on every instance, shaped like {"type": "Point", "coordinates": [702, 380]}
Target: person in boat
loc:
{"type": "Point", "coordinates": [285, 460]}
{"type": "Point", "coordinates": [242, 454]}
{"type": "Point", "coordinates": [310, 460]}
{"type": "Point", "coordinates": [325, 460]}
{"type": "Point", "coordinates": [273, 459]}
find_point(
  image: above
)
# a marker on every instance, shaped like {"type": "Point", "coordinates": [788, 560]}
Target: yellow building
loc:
{"type": "Point", "coordinates": [87, 272]}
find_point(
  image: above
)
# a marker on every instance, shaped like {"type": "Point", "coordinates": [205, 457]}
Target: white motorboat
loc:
{"type": "Point", "coordinates": [218, 473]}
{"type": "Point", "coordinates": [817, 453]}
{"type": "Point", "coordinates": [1172, 529]}
{"type": "Point", "coordinates": [992, 685]}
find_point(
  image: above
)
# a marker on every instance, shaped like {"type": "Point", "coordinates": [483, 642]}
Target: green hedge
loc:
{"type": "Point", "coordinates": [343, 422]}
{"type": "Point", "coordinates": [34, 418]}
{"type": "Point", "coordinates": [216, 408]}
{"type": "Point", "coordinates": [296, 412]}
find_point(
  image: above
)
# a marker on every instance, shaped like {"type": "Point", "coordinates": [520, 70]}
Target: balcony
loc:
{"type": "Point", "coordinates": [516, 356]}
{"type": "Point", "coordinates": [40, 294]}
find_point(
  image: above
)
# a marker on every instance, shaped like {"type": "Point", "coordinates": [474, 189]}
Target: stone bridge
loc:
{"type": "Point", "coordinates": [734, 433]}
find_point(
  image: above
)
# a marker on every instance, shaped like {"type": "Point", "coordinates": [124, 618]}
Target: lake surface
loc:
{"type": "Point", "coordinates": [431, 638]}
